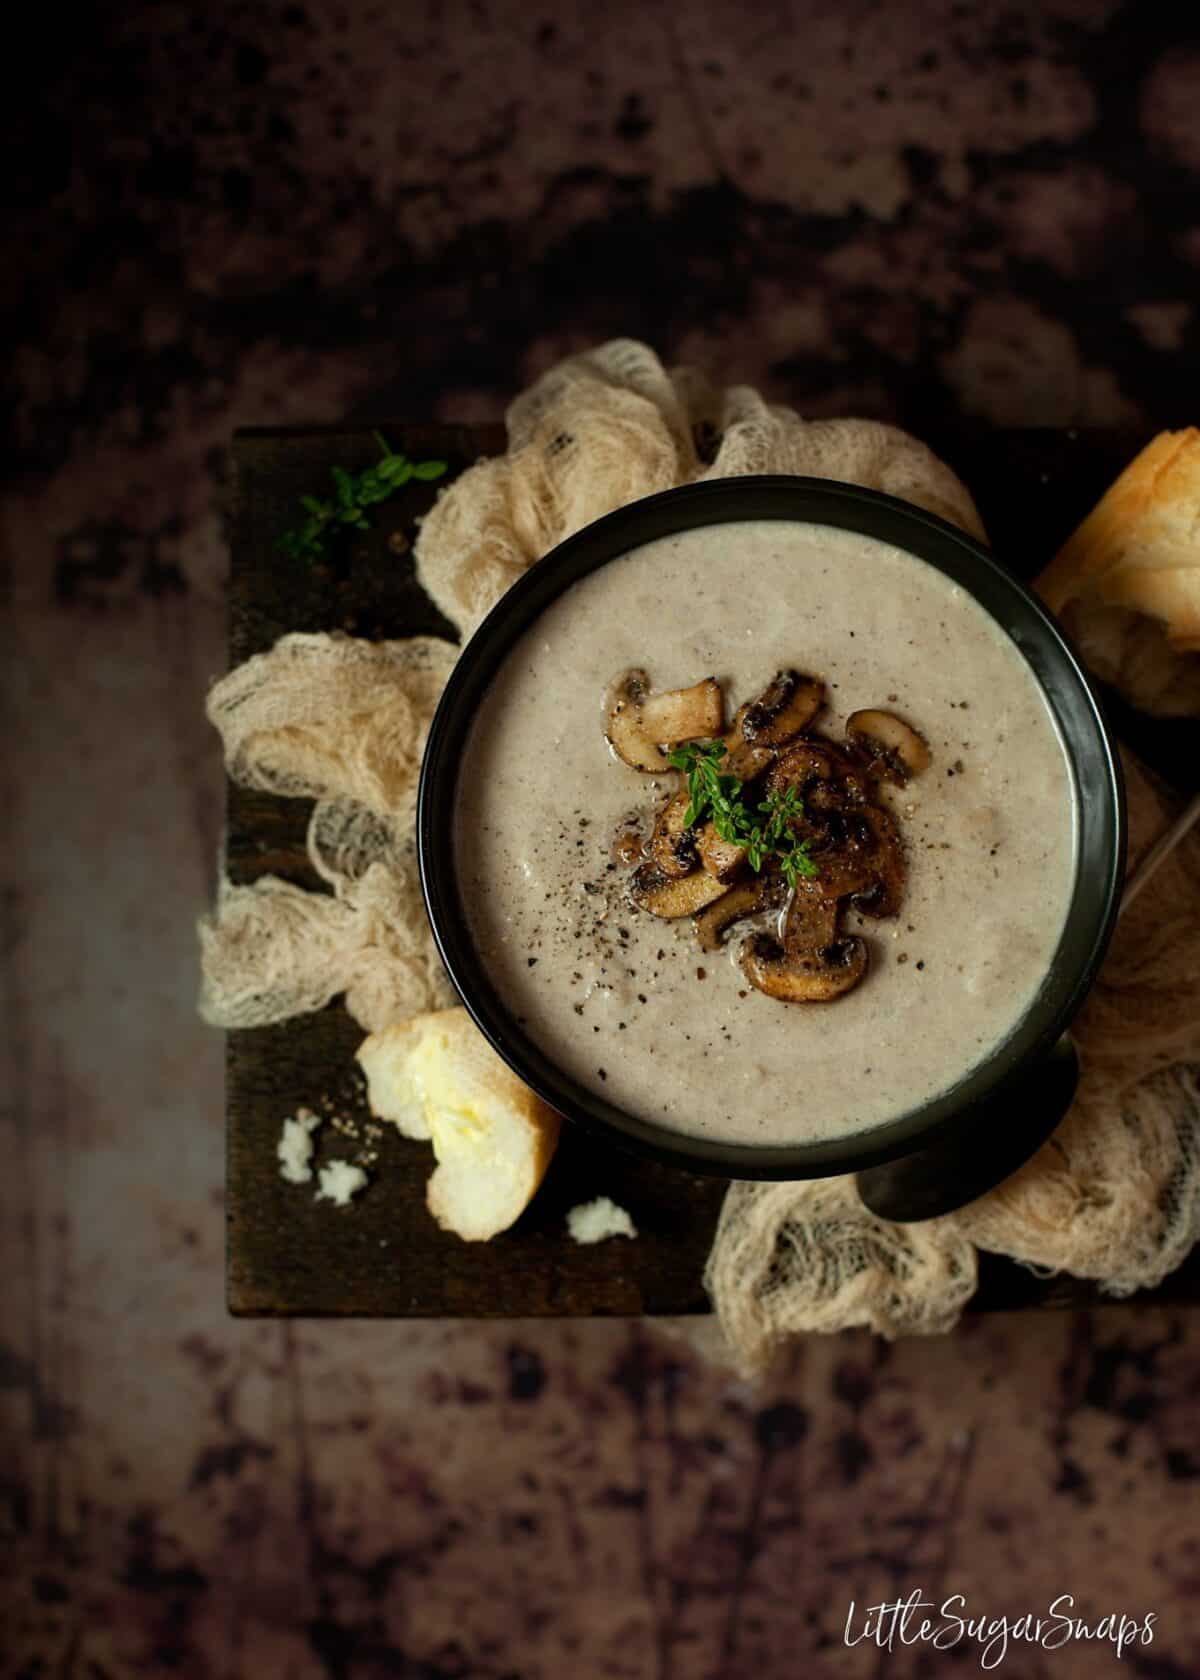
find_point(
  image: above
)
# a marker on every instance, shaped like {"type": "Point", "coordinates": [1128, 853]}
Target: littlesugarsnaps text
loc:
{"type": "Point", "coordinates": [917, 1620]}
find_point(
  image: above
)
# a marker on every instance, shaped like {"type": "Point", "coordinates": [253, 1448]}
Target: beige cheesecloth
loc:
{"type": "Point", "coordinates": [1115, 1194]}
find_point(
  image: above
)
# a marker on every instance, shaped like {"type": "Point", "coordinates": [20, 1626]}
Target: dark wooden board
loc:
{"type": "Point", "coordinates": [384, 1256]}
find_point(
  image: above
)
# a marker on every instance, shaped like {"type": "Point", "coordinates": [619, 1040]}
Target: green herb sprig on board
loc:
{"type": "Point", "coordinates": [764, 831]}
{"type": "Point", "coordinates": [354, 494]}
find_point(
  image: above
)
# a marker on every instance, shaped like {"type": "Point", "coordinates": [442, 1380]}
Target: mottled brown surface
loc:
{"type": "Point", "coordinates": [266, 214]}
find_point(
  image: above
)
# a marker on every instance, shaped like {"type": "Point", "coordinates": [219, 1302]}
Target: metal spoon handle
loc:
{"type": "Point", "coordinates": [1160, 852]}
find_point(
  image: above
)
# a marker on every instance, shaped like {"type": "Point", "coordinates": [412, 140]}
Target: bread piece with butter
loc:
{"type": "Point", "coordinates": [437, 1078]}
{"type": "Point", "coordinates": [1127, 583]}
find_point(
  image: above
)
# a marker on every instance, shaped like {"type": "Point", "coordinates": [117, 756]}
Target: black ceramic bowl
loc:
{"type": "Point", "coordinates": [1095, 766]}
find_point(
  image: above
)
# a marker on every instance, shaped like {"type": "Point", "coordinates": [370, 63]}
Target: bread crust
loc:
{"type": "Point", "coordinates": [1147, 521]}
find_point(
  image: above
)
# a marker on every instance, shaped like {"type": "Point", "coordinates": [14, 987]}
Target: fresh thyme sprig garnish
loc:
{"type": "Point", "coordinates": [355, 493]}
{"type": "Point", "coordinates": [766, 831]}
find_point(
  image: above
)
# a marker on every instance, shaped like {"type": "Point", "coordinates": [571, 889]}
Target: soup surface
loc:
{"type": "Point", "coordinates": [624, 1001]}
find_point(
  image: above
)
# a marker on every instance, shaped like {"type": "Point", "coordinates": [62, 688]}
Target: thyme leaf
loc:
{"type": "Point", "coordinates": [718, 799]}
{"type": "Point", "coordinates": [354, 493]}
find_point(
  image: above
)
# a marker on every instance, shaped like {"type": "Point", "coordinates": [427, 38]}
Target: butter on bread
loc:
{"type": "Point", "coordinates": [1127, 583]}
{"type": "Point", "coordinates": [436, 1077]}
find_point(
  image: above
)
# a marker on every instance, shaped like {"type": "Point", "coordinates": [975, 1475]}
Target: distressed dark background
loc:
{"type": "Point", "coordinates": [232, 214]}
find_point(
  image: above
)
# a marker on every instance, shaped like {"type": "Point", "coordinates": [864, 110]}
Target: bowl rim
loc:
{"type": "Point", "coordinates": [1074, 703]}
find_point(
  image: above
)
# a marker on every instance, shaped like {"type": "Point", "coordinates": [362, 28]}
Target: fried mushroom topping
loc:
{"type": "Point", "coordinates": [809, 796]}
{"type": "Point", "coordinates": [892, 748]}
{"type": "Point", "coordinates": [639, 723]}
{"type": "Point", "coordinates": [812, 963]}
{"type": "Point", "coordinates": [672, 896]}
{"type": "Point", "coordinates": [785, 707]}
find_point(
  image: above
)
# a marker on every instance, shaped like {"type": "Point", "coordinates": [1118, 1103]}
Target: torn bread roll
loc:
{"type": "Point", "coordinates": [1127, 583]}
{"type": "Point", "coordinates": [437, 1078]}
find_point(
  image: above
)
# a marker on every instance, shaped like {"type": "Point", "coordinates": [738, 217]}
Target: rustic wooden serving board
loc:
{"type": "Point", "coordinates": [384, 1256]}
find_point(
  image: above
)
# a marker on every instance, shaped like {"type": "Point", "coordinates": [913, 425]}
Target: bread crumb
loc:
{"type": "Point", "coordinates": [339, 1182]}
{"type": "Point", "coordinates": [295, 1146]}
{"type": "Point", "coordinates": [593, 1222]}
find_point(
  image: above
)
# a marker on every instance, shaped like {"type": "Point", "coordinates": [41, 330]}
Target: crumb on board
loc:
{"type": "Point", "coordinates": [339, 1182]}
{"type": "Point", "coordinates": [593, 1222]}
{"type": "Point", "coordinates": [295, 1146]}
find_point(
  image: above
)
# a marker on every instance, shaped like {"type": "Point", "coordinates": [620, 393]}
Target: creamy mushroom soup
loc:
{"type": "Point", "coordinates": [623, 1000]}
